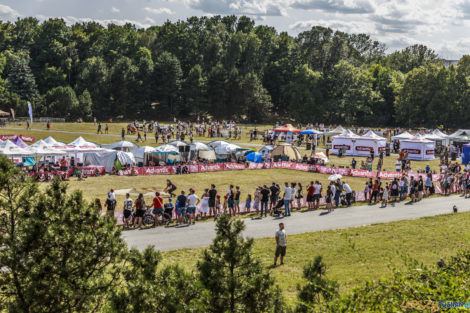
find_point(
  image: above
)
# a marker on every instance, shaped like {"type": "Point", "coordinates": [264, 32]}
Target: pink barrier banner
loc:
{"type": "Point", "coordinates": [234, 166]}
{"type": "Point", "coordinates": [300, 167]}
{"type": "Point", "coordinates": [259, 166]}
{"type": "Point", "coordinates": [362, 173]}
{"type": "Point", "coordinates": [193, 168]}
{"type": "Point", "coordinates": [342, 171]}
{"type": "Point", "coordinates": [324, 169]}
{"type": "Point", "coordinates": [12, 137]}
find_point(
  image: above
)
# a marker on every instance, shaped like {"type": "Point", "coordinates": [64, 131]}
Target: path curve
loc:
{"type": "Point", "coordinates": [201, 234]}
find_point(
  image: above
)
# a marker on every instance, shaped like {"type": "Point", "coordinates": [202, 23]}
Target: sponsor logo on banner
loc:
{"type": "Point", "coordinates": [337, 147]}
{"type": "Point", "coordinates": [325, 170]}
{"type": "Point", "coordinates": [300, 167]}
{"type": "Point", "coordinates": [429, 152]}
{"type": "Point", "coordinates": [13, 137]}
{"type": "Point", "coordinates": [211, 167]}
{"type": "Point", "coordinates": [413, 151]}
{"type": "Point", "coordinates": [234, 166]}
{"type": "Point", "coordinates": [390, 175]}
{"type": "Point", "coordinates": [364, 148]}
{"type": "Point", "coordinates": [193, 168]}
{"type": "Point", "coordinates": [362, 173]}
{"type": "Point", "coordinates": [157, 170]}
{"type": "Point", "coordinates": [382, 149]}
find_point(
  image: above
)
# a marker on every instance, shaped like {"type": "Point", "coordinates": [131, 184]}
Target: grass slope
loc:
{"type": "Point", "coordinates": [357, 254]}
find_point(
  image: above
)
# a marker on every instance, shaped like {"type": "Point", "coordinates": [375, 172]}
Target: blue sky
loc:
{"type": "Point", "coordinates": [443, 25]}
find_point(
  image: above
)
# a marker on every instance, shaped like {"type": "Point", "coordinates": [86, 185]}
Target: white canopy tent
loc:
{"type": "Point", "coordinates": [107, 158]}
{"type": "Point", "coordinates": [139, 153]}
{"type": "Point", "coordinates": [403, 136]}
{"type": "Point", "coordinates": [201, 150]}
{"type": "Point", "coordinates": [178, 143]}
{"type": "Point", "coordinates": [336, 132]}
{"type": "Point", "coordinates": [51, 141]}
{"type": "Point", "coordinates": [122, 146]}
{"type": "Point", "coordinates": [82, 142]}
{"type": "Point", "coordinates": [223, 149]}
{"type": "Point", "coordinates": [13, 152]}
{"type": "Point", "coordinates": [266, 150]}
{"type": "Point", "coordinates": [346, 141]}
{"type": "Point", "coordinates": [438, 136]}
{"type": "Point", "coordinates": [42, 149]}
{"type": "Point", "coordinates": [418, 148]}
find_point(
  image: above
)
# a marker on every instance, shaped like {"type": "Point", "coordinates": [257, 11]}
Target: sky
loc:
{"type": "Point", "coordinates": [442, 25]}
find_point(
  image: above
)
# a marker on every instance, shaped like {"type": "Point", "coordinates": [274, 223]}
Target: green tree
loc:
{"type": "Point", "coordinates": [411, 57]}
{"type": "Point", "coordinates": [21, 79]}
{"type": "Point", "coordinates": [168, 80]}
{"type": "Point", "coordinates": [61, 102]}
{"type": "Point", "coordinates": [233, 279]}
{"type": "Point", "coordinates": [58, 254]}
{"type": "Point", "coordinates": [318, 291]}
{"type": "Point", "coordinates": [85, 105]}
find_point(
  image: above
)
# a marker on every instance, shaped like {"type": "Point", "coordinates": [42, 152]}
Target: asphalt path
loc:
{"type": "Point", "coordinates": [202, 234]}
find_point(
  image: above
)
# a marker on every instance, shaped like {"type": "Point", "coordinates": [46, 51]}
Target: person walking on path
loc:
{"type": "Point", "coordinates": [288, 193]}
{"type": "Point", "coordinates": [281, 244]}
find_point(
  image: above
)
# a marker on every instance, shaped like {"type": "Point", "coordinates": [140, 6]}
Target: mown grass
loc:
{"type": "Point", "coordinates": [355, 255]}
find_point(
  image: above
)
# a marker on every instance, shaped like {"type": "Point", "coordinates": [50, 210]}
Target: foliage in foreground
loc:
{"type": "Point", "coordinates": [58, 254]}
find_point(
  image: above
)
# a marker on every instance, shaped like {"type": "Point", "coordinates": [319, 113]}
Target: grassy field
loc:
{"type": "Point", "coordinates": [357, 254]}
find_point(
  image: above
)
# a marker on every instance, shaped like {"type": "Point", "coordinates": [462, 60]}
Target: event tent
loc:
{"type": "Point", "coordinates": [122, 146]}
{"type": "Point", "coordinates": [359, 145]}
{"type": "Point", "coordinates": [266, 149]}
{"type": "Point", "coordinates": [178, 143]}
{"type": "Point", "coordinates": [321, 156]}
{"type": "Point", "coordinates": [45, 151]}
{"type": "Point", "coordinates": [53, 142]}
{"type": "Point", "coordinates": [255, 157]}
{"type": "Point", "coordinates": [139, 153]}
{"type": "Point", "coordinates": [286, 151]}
{"type": "Point", "coordinates": [223, 148]}
{"type": "Point", "coordinates": [203, 151]}
{"type": "Point", "coordinates": [346, 141]}
{"type": "Point", "coordinates": [438, 137]}
{"type": "Point", "coordinates": [108, 159]}
{"type": "Point", "coordinates": [311, 132]}
{"type": "Point", "coordinates": [287, 128]}
{"type": "Point", "coordinates": [167, 148]}
{"type": "Point", "coordinates": [80, 142]}
{"type": "Point", "coordinates": [20, 143]}
{"type": "Point", "coordinates": [462, 135]}
{"type": "Point", "coordinates": [11, 150]}
{"type": "Point", "coordinates": [403, 136]}
{"type": "Point", "coordinates": [337, 131]}
{"type": "Point", "coordinates": [418, 148]}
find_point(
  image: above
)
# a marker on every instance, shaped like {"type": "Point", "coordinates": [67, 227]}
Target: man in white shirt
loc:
{"type": "Point", "coordinates": [288, 197]}
{"type": "Point", "coordinates": [192, 201]}
{"type": "Point", "coordinates": [127, 209]}
{"type": "Point", "coordinates": [281, 244]}
{"type": "Point", "coordinates": [317, 195]}
{"type": "Point", "coordinates": [348, 192]}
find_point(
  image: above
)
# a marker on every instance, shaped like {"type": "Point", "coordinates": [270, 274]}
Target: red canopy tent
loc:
{"type": "Point", "coordinates": [288, 128]}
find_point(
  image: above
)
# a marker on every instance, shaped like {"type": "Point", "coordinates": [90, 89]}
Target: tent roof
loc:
{"type": "Point", "coordinates": [337, 131]}
{"type": "Point", "coordinates": [53, 142]}
{"type": "Point", "coordinates": [41, 143]}
{"type": "Point", "coordinates": [20, 143]}
{"type": "Point", "coordinates": [82, 142]}
{"type": "Point", "coordinates": [167, 148]}
{"type": "Point", "coordinates": [200, 146]}
{"type": "Point", "coordinates": [371, 135]}
{"type": "Point", "coordinates": [10, 149]}
{"type": "Point", "coordinates": [460, 135]}
{"type": "Point", "coordinates": [3, 113]}
{"type": "Point", "coordinates": [311, 132]}
{"type": "Point", "coordinates": [178, 143]}
{"type": "Point", "coordinates": [45, 150]}
{"type": "Point", "coordinates": [122, 144]}
{"type": "Point", "coordinates": [437, 132]}
{"type": "Point", "coordinates": [418, 138]}
{"type": "Point", "coordinates": [287, 128]}
{"type": "Point", "coordinates": [402, 136]}
{"type": "Point", "coordinates": [287, 150]}
{"type": "Point", "coordinates": [223, 147]}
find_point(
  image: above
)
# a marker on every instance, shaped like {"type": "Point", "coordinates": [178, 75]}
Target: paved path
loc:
{"type": "Point", "coordinates": [201, 234]}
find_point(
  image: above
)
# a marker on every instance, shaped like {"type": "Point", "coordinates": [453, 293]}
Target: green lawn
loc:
{"type": "Point", "coordinates": [357, 254]}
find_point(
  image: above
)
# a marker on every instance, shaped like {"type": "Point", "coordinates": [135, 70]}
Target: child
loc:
{"type": "Point", "coordinates": [217, 206]}
{"type": "Point", "coordinates": [385, 196]}
{"type": "Point", "coordinates": [248, 203]}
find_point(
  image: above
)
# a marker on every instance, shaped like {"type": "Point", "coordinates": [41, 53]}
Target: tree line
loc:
{"type": "Point", "coordinates": [58, 254]}
{"type": "Point", "coordinates": [225, 68]}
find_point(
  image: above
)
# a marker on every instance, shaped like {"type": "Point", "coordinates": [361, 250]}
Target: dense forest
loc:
{"type": "Point", "coordinates": [225, 68]}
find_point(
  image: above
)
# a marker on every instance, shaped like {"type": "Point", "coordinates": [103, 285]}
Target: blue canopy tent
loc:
{"type": "Point", "coordinates": [311, 132]}
{"type": "Point", "coordinates": [466, 154]}
{"type": "Point", "coordinates": [255, 157]}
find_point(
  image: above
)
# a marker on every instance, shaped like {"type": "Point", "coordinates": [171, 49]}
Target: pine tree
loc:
{"type": "Point", "coordinates": [21, 80]}
{"type": "Point", "coordinates": [57, 253]}
{"type": "Point", "coordinates": [233, 279]}
{"type": "Point", "coordinates": [318, 290]}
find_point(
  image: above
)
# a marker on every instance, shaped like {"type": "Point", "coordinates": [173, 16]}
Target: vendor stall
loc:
{"type": "Point", "coordinates": [287, 133]}
{"type": "Point", "coordinates": [123, 145]}
{"type": "Point", "coordinates": [344, 144]}
{"type": "Point", "coordinates": [418, 148]}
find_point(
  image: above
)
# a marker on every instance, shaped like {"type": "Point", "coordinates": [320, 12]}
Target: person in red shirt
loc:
{"type": "Point", "coordinates": [63, 164]}
{"type": "Point", "coordinates": [157, 207]}
{"type": "Point", "coordinates": [310, 195]}
{"type": "Point", "coordinates": [375, 192]}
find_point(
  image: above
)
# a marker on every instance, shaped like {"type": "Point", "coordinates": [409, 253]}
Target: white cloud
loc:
{"type": "Point", "coordinates": [149, 20]}
{"type": "Point", "coordinates": [336, 24]}
{"type": "Point", "coordinates": [69, 20]}
{"type": "Point", "coordinates": [241, 7]}
{"type": "Point", "coordinates": [7, 12]}
{"type": "Point", "coordinates": [115, 10]}
{"type": "Point", "coordinates": [158, 11]}
{"type": "Point", "coordinates": [341, 6]}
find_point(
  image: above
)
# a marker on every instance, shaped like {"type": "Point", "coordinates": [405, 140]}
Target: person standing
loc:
{"type": "Point", "coordinates": [338, 191]}
{"type": "Point", "coordinates": [287, 199]}
{"type": "Point", "coordinates": [310, 196]}
{"type": "Point", "coordinates": [264, 201]}
{"type": "Point", "coordinates": [317, 194]}
{"type": "Point", "coordinates": [281, 244]}
{"type": "Point", "coordinates": [181, 207]}
{"type": "Point", "coordinates": [274, 195]}
{"type": "Point", "coordinates": [212, 196]}
{"type": "Point", "coordinates": [106, 129]}
{"type": "Point", "coordinates": [140, 207]}
{"type": "Point", "coordinates": [123, 134]}
{"type": "Point", "coordinates": [157, 207]}
{"type": "Point", "coordinates": [204, 208]}
{"type": "Point", "coordinates": [127, 209]}
{"type": "Point", "coordinates": [298, 196]}
{"type": "Point", "coordinates": [230, 201]}
{"type": "Point", "coordinates": [192, 201]}
{"type": "Point", "coordinates": [99, 129]}
{"type": "Point", "coordinates": [236, 200]}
